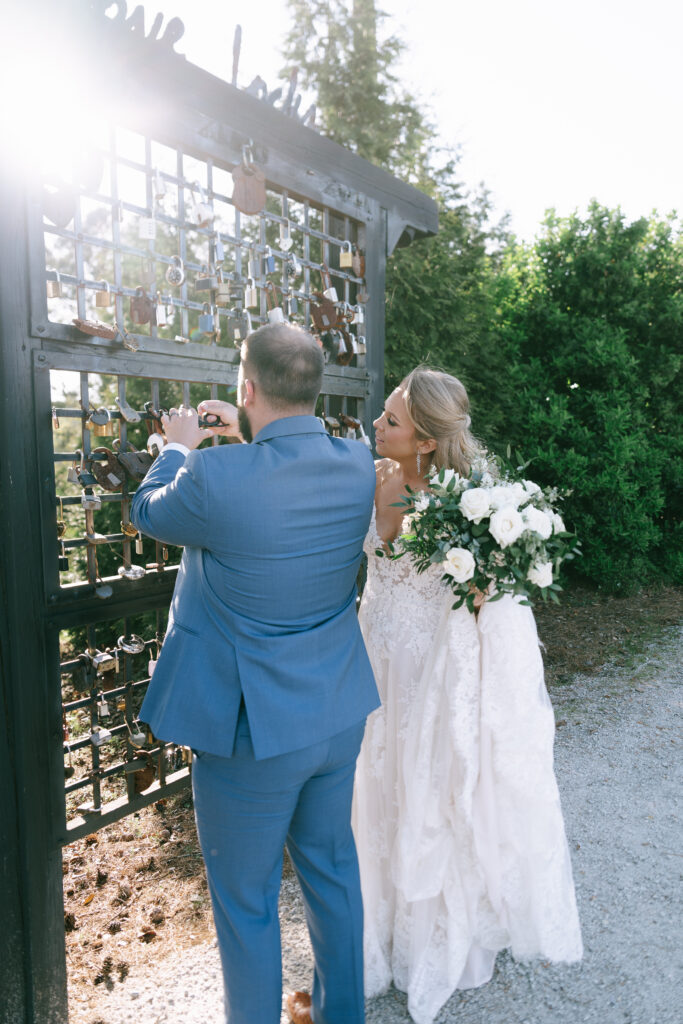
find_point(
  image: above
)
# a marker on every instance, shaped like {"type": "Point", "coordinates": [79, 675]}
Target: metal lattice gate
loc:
{"type": "Point", "coordinates": [123, 290]}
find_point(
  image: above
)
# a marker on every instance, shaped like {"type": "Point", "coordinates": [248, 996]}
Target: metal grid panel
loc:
{"type": "Point", "coordinates": [153, 277]}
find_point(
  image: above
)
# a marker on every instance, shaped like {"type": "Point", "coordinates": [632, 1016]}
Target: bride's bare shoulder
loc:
{"type": "Point", "coordinates": [382, 470]}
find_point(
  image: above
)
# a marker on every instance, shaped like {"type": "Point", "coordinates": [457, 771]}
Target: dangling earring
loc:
{"type": "Point", "coordinates": [419, 460]}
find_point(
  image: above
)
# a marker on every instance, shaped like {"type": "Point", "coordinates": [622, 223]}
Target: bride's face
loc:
{"type": "Point", "coordinates": [394, 432]}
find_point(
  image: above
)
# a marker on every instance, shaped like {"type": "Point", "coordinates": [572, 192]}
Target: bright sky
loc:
{"type": "Point", "coordinates": [552, 103]}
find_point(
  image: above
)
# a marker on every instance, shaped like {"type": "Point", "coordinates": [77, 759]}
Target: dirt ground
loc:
{"type": "Point", "coordinates": [136, 891]}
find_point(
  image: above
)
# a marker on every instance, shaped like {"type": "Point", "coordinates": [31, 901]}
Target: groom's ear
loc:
{"type": "Point", "coordinates": [248, 392]}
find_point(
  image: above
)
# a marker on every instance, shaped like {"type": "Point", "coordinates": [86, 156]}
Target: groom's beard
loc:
{"type": "Point", "coordinates": [244, 424]}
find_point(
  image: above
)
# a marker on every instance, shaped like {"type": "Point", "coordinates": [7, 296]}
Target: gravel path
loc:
{"type": "Point", "coordinates": [619, 772]}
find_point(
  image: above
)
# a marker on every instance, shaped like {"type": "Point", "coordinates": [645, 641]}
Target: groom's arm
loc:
{"type": "Point", "coordinates": [171, 503]}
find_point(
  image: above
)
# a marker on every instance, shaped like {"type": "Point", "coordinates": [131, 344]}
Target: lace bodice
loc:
{"type": "Point", "coordinates": [398, 601]}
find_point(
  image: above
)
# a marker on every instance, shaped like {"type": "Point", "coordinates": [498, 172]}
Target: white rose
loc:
{"type": "Point", "coordinates": [487, 480]}
{"type": "Point", "coordinates": [421, 502]}
{"type": "Point", "coordinates": [474, 504]}
{"type": "Point", "coordinates": [459, 564]}
{"type": "Point", "coordinates": [537, 521]}
{"type": "Point", "coordinates": [541, 574]}
{"type": "Point", "coordinates": [558, 524]}
{"type": "Point", "coordinates": [506, 525]}
{"type": "Point", "coordinates": [530, 487]}
{"type": "Point", "coordinates": [499, 496]}
{"type": "Point", "coordinates": [448, 475]}
{"type": "Point", "coordinates": [407, 523]}
{"type": "Point", "coordinates": [518, 492]}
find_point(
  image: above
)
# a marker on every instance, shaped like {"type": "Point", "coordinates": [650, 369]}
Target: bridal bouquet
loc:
{"type": "Point", "coordinates": [498, 533]}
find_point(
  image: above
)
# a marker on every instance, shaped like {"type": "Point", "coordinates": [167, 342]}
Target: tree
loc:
{"type": "Point", "coordinates": [590, 324]}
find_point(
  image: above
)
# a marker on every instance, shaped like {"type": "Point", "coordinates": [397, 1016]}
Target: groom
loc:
{"type": "Point", "coordinates": [263, 671]}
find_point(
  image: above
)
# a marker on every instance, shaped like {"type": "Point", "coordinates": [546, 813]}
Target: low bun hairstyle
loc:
{"type": "Point", "coordinates": [438, 407]}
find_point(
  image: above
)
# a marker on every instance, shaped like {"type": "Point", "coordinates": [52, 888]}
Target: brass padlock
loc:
{"type": "Point", "coordinates": [346, 256]}
{"type": "Point", "coordinates": [104, 297]}
{"type": "Point", "coordinates": [54, 288]}
{"type": "Point", "coordinates": [141, 307]}
{"type": "Point", "coordinates": [100, 422]}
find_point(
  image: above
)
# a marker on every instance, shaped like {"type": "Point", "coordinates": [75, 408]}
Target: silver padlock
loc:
{"type": "Point", "coordinates": [159, 187]}
{"type": "Point", "coordinates": [254, 266]}
{"type": "Point", "coordinates": [360, 345]}
{"type": "Point", "coordinates": [175, 273]}
{"type": "Point", "coordinates": [104, 661]}
{"type": "Point", "coordinates": [103, 710]}
{"type": "Point", "coordinates": [137, 737]}
{"type": "Point", "coordinates": [161, 313]}
{"type": "Point", "coordinates": [331, 294]}
{"type": "Point", "coordinates": [91, 502]}
{"type": "Point", "coordinates": [251, 294]}
{"type": "Point", "coordinates": [99, 735]}
{"type": "Point", "coordinates": [131, 572]}
{"type": "Point", "coordinates": [286, 240]}
{"type": "Point", "coordinates": [293, 265]}
{"type": "Point", "coordinates": [219, 249]}
{"type": "Point", "coordinates": [276, 316]}
{"type": "Point", "coordinates": [155, 443]}
{"type": "Point", "coordinates": [268, 261]}
{"type": "Point", "coordinates": [358, 315]}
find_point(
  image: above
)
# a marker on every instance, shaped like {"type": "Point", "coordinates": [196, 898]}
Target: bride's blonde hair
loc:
{"type": "Point", "coordinates": [438, 408]}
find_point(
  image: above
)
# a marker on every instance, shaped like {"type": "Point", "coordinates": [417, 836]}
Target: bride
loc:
{"type": "Point", "coordinates": [456, 814]}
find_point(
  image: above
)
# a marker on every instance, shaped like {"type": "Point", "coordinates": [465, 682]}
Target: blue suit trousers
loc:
{"type": "Point", "coordinates": [246, 811]}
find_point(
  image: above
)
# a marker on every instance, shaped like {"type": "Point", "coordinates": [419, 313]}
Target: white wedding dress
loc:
{"type": "Point", "coordinates": [456, 813]}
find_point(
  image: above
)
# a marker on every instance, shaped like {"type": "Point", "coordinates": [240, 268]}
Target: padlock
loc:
{"type": "Point", "coordinates": [128, 413]}
{"type": "Point", "coordinates": [293, 265]}
{"type": "Point", "coordinates": [358, 314]}
{"type": "Point", "coordinates": [132, 644]}
{"type": "Point", "coordinates": [63, 560]}
{"type": "Point", "coordinates": [55, 418]}
{"type": "Point", "coordinates": [107, 469]}
{"type": "Point", "coordinates": [129, 341]}
{"type": "Point", "coordinates": [104, 297]}
{"type": "Point", "coordinates": [358, 262]}
{"type": "Point", "coordinates": [223, 295]}
{"type": "Point", "coordinates": [103, 661]}
{"type": "Point", "coordinates": [206, 281]}
{"type": "Point", "coordinates": [286, 240]}
{"type": "Point", "coordinates": [139, 550]}
{"type": "Point", "coordinates": [249, 192]}
{"type": "Point", "coordinates": [331, 294]}
{"type": "Point", "coordinates": [345, 256]}
{"type": "Point", "coordinates": [103, 710]}
{"type": "Point", "coordinates": [155, 443]}
{"type": "Point", "coordinates": [95, 328]}
{"type": "Point", "coordinates": [361, 346]}
{"type": "Point", "coordinates": [251, 294]}
{"type": "Point", "coordinates": [164, 553]}
{"type": "Point", "coordinates": [136, 735]}
{"type": "Point", "coordinates": [175, 273]}
{"type": "Point", "coordinates": [253, 266]}
{"type": "Point", "coordinates": [91, 502]}
{"type": "Point", "coordinates": [128, 530]}
{"type": "Point", "coordinates": [54, 288]}
{"type": "Point", "coordinates": [141, 307]}
{"type": "Point", "coordinates": [219, 249]}
{"type": "Point", "coordinates": [160, 312]}
{"type": "Point", "coordinates": [332, 424]}
{"type": "Point", "coordinates": [268, 261]}
{"type": "Point", "coordinates": [99, 735]}
{"type": "Point", "coordinates": [242, 328]}
{"type": "Point", "coordinates": [131, 572]}
{"type": "Point", "coordinates": [290, 302]}
{"type": "Point", "coordinates": [207, 321]}
{"type": "Point", "coordinates": [83, 476]}
{"type": "Point", "coordinates": [69, 769]}
{"type": "Point", "coordinates": [274, 313]}
{"type": "Point", "coordinates": [201, 213]}
{"type": "Point", "coordinates": [100, 422]}
{"type": "Point", "coordinates": [147, 228]}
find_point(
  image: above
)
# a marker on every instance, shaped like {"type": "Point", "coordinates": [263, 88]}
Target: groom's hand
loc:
{"type": "Point", "coordinates": [226, 414]}
{"type": "Point", "coordinates": [181, 426]}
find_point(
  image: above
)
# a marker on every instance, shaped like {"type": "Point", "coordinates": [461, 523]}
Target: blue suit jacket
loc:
{"type": "Point", "coordinates": [264, 603]}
